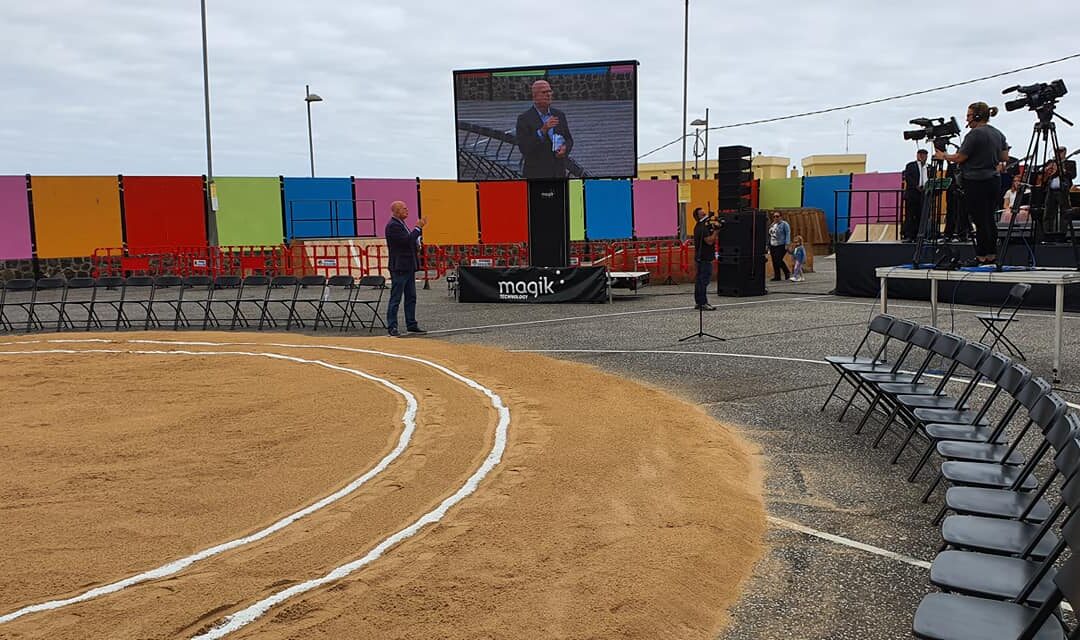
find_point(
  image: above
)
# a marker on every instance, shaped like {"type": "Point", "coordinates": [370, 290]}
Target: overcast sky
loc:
{"type": "Point", "coordinates": [115, 86]}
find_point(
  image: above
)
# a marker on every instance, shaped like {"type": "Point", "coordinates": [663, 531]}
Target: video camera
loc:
{"type": "Point", "coordinates": [712, 222]}
{"type": "Point", "coordinates": [935, 129]}
{"type": "Point", "coordinates": [1036, 96]}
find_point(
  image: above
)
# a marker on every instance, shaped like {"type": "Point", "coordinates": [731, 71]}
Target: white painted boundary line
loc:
{"type": "Point", "coordinates": [848, 542]}
{"type": "Point", "coordinates": [408, 420]}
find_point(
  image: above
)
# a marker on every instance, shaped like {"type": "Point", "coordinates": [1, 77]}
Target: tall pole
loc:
{"type": "Point", "coordinates": [685, 66]}
{"type": "Point", "coordinates": [211, 214]}
{"type": "Point", "coordinates": [708, 176]}
{"type": "Point", "coordinates": [310, 143]}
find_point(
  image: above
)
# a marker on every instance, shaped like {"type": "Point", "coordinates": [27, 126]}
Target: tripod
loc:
{"type": "Point", "coordinates": [929, 233]}
{"type": "Point", "coordinates": [701, 329]}
{"type": "Point", "coordinates": [1042, 147]}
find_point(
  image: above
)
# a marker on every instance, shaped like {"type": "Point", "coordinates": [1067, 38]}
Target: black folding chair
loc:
{"type": "Point", "coordinates": [104, 297]}
{"type": "Point", "coordinates": [136, 293]}
{"type": "Point", "coordinates": [368, 294]}
{"type": "Point", "coordinates": [17, 294]}
{"type": "Point", "coordinates": [194, 291]}
{"type": "Point", "coordinates": [48, 294]}
{"type": "Point", "coordinates": [878, 326]}
{"type": "Point", "coordinates": [334, 305]}
{"type": "Point", "coordinates": [81, 293]}
{"type": "Point", "coordinates": [220, 293]}
{"type": "Point", "coordinates": [253, 292]}
{"type": "Point", "coordinates": [1005, 315]}
{"type": "Point", "coordinates": [281, 292]}
{"type": "Point", "coordinates": [308, 292]}
{"type": "Point", "coordinates": [168, 291]}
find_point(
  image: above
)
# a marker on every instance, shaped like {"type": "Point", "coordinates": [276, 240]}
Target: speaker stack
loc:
{"type": "Point", "coordinates": [740, 255]}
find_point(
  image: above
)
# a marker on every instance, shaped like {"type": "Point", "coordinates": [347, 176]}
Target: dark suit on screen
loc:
{"type": "Point", "coordinates": [540, 159]}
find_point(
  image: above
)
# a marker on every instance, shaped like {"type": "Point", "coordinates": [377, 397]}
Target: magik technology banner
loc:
{"type": "Point", "coordinates": [533, 284]}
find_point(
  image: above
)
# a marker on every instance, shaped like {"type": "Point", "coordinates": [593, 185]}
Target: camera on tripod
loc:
{"type": "Point", "coordinates": [936, 130]}
{"type": "Point", "coordinates": [712, 222]}
{"type": "Point", "coordinates": [1036, 96]}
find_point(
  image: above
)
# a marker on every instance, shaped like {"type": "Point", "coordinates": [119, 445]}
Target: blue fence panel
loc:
{"type": "Point", "coordinates": [820, 193]}
{"type": "Point", "coordinates": [608, 210]}
{"type": "Point", "coordinates": [319, 208]}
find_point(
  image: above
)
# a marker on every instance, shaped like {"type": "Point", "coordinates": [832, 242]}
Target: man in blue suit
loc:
{"type": "Point", "coordinates": [403, 243]}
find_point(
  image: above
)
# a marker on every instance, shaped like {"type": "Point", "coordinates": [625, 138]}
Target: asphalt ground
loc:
{"type": "Point", "coordinates": [768, 379]}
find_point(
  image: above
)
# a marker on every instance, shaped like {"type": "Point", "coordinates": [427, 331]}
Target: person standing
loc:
{"type": "Point", "coordinates": [1058, 176]}
{"type": "Point", "coordinates": [798, 254]}
{"type": "Point", "coordinates": [980, 152]}
{"type": "Point", "coordinates": [916, 174]}
{"type": "Point", "coordinates": [779, 237]}
{"type": "Point", "coordinates": [543, 136]}
{"type": "Point", "coordinates": [402, 243]}
{"type": "Point", "coordinates": [704, 254]}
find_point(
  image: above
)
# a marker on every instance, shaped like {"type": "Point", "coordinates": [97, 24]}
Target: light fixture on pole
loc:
{"type": "Point", "coordinates": [310, 97]}
{"type": "Point", "coordinates": [697, 136]}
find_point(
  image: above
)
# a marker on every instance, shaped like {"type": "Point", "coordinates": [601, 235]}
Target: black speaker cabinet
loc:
{"type": "Point", "coordinates": [743, 232]}
{"type": "Point", "coordinates": [740, 275]}
{"type": "Point", "coordinates": [549, 223]}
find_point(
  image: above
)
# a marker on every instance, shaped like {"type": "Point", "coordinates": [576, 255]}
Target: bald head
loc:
{"type": "Point", "coordinates": [399, 210]}
{"type": "Point", "coordinates": [541, 95]}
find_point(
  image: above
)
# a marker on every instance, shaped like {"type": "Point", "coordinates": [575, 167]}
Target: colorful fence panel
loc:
{"type": "Point", "coordinates": [73, 215]}
{"type": "Point", "coordinates": [608, 209]}
{"type": "Point", "coordinates": [249, 211]}
{"type": "Point", "coordinates": [375, 196]}
{"type": "Point", "coordinates": [577, 210]}
{"type": "Point", "coordinates": [504, 212]}
{"type": "Point", "coordinates": [164, 211]}
{"type": "Point", "coordinates": [319, 208]}
{"type": "Point", "coordinates": [821, 193]}
{"type": "Point", "coordinates": [874, 194]}
{"type": "Point", "coordinates": [15, 241]}
{"type": "Point", "coordinates": [656, 208]}
{"type": "Point", "coordinates": [779, 193]}
{"type": "Point", "coordinates": [450, 208]}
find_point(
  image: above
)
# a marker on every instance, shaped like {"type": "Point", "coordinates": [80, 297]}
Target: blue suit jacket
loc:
{"type": "Point", "coordinates": [402, 245]}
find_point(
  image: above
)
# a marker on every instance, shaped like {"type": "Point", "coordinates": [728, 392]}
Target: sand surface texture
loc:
{"type": "Point", "coordinates": [616, 511]}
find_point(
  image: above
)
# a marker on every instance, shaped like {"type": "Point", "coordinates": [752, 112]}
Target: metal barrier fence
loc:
{"type": "Point", "coordinates": [667, 260]}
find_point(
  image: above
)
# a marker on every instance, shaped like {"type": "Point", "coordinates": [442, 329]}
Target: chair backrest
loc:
{"type": "Point", "coordinates": [948, 345]}
{"type": "Point", "coordinates": [1060, 432]}
{"type": "Point", "coordinates": [1015, 379]}
{"type": "Point", "coordinates": [139, 281]}
{"type": "Point", "coordinates": [221, 282]}
{"type": "Point", "coordinates": [44, 284]}
{"type": "Point", "coordinates": [380, 281]}
{"type": "Point", "coordinates": [880, 323]}
{"type": "Point", "coordinates": [313, 281]}
{"type": "Point", "coordinates": [1015, 299]}
{"type": "Point", "coordinates": [1067, 462]}
{"type": "Point", "coordinates": [256, 281]}
{"type": "Point", "coordinates": [167, 281]}
{"type": "Point", "coordinates": [1048, 409]}
{"type": "Point", "coordinates": [924, 337]}
{"type": "Point", "coordinates": [20, 284]}
{"type": "Point", "coordinates": [283, 281]}
{"type": "Point", "coordinates": [1067, 578]}
{"type": "Point", "coordinates": [340, 281]}
{"type": "Point", "coordinates": [993, 366]}
{"type": "Point", "coordinates": [971, 354]}
{"type": "Point", "coordinates": [81, 282]}
{"type": "Point", "coordinates": [197, 281]}
{"type": "Point", "coordinates": [1032, 392]}
{"type": "Point", "coordinates": [110, 282]}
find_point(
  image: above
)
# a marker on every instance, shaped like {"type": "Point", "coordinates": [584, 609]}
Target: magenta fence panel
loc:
{"type": "Point", "coordinates": [14, 219]}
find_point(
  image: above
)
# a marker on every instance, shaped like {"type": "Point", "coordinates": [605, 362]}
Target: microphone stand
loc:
{"type": "Point", "coordinates": [701, 329]}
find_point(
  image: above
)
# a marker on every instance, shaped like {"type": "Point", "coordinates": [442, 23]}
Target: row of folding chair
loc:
{"type": "Point", "coordinates": [1006, 563]}
{"type": "Point", "coordinates": [193, 301]}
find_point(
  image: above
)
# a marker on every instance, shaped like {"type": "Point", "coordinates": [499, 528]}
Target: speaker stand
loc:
{"type": "Point", "coordinates": [701, 329]}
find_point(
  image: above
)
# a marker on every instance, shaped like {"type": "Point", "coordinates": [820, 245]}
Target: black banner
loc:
{"type": "Point", "coordinates": [533, 284]}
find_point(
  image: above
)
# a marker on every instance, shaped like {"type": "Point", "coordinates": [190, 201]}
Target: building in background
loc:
{"type": "Point", "coordinates": [834, 164]}
{"type": "Point", "coordinates": [764, 167]}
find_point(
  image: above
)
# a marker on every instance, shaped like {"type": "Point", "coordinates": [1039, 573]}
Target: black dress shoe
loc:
{"type": "Point", "coordinates": [393, 333]}
{"type": "Point", "coordinates": [416, 330]}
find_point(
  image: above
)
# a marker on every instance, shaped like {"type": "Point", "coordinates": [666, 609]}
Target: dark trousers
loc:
{"type": "Point", "coordinates": [401, 283]}
{"type": "Point", "coordinates": [778, 265]}
{"type": "Point", "coordinates": [701, 285]}
{"type": "Point", "coordinates": [913, 201]}
{"type": "Point", "coordinates": [956, 217]}
{"type": "Point", "coordinates": [980, 201]}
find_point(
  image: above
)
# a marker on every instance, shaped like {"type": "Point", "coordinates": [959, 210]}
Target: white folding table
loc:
{"type": "Point", "coordinates": [1059, 278]}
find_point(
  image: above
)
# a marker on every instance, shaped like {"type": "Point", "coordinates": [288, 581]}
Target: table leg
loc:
{"type": "Point", "coordinates": [933, 302]}
{"type": "Point", "coordinates": [884, 295]}
{"type": "Point", "coordinates": [1059, 313]}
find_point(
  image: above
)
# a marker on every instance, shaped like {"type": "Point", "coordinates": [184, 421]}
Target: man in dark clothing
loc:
{"type": "Point", "coordinates": [916, 173]}
{"type": "Point", "coordinates": [402, 243]}
{"type": "Point", "coordinates": [704, 254]}
{"type": "Point", "coordinates": [543, 136]}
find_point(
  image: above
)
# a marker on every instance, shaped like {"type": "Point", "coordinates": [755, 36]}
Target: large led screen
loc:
{"type": "Point", "coordinates": [544, 123]}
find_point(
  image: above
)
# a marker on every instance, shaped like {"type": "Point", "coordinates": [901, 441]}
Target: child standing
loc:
{"type": "Point", "coordinates": [798, 253]}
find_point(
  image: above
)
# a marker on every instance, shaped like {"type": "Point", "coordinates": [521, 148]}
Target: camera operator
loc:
{"type": "Point", "coordinates": [704, 253]}
{"type": "Point", "coordinates": [980, 152]}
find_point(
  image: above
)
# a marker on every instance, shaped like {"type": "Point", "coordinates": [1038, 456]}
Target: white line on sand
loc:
{"type": "Point", "coordinates": [408, 420]}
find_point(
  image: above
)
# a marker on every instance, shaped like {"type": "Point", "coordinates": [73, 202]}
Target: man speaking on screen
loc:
{"type": "Point", "coordinates": [543, 135]}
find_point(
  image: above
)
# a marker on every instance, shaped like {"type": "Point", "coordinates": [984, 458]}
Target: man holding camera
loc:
{"type": "Point", "coordinates": [704, 253]}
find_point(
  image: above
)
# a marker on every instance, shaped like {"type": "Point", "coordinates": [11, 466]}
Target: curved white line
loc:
{"type": "Point", "coordinates": [409, 421]}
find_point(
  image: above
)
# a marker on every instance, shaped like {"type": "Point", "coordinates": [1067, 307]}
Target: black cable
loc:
{"type": "Point", "coordinates": [867, 102]}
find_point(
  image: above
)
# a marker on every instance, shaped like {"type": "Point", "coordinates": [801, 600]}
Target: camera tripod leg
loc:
{"type": "Point", "coordinates": [701, 329]}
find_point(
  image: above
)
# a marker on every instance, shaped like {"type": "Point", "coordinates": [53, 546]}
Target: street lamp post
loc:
{"type": "Point", "coordinates": [697, 136]}
{"type": "Point", "coordinates": [211, 204]}
{"type": "Point", "coordinates": [310, 97]}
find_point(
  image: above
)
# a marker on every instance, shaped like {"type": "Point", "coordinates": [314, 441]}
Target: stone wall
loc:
{"type": "Point", "coordinates": [600, 86]}
{"type": "Point", "coordinates": [45, 268]}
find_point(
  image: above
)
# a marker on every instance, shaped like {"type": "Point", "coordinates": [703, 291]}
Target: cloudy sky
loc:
{"type": "Point", "coordinates": [115, 86]}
